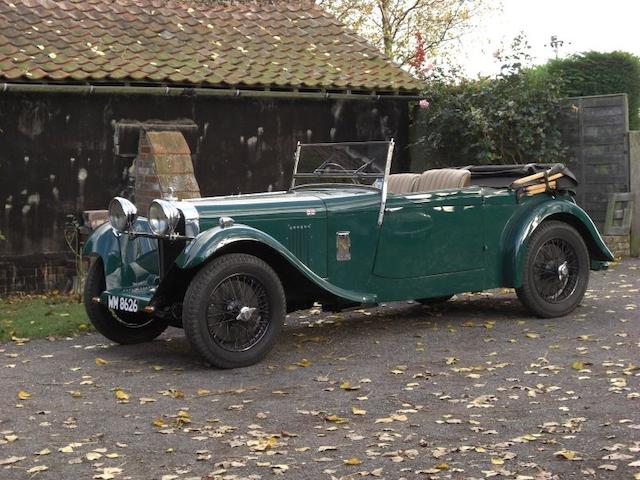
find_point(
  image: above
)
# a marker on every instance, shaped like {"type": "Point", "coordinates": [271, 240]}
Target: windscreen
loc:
{"type": "Point", "coordinates": [355, 163]}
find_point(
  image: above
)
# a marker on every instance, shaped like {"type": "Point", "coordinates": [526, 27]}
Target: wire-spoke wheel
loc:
{"type": "Point", "coordinates": [234, 309]}
{"type": "Point", "coordinates": [238, 312]}
{"type": "Point", "coordinates": [556, 270]}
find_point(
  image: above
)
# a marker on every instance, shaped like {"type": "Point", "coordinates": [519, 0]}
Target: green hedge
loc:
{"type": "Point", "coordinates": [511, 119]}
{"type": "Point", "coordinates": [597, 73]}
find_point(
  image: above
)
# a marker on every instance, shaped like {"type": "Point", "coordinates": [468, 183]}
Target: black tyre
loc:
{"type": "Point", "coordinates": [556, 270]}
{"type": "Point", "coordinates": [434, 300]}
{"type": "Point", "coordinates": [124, 328]}
{"type": "Point", "coordinates": [234, 310]}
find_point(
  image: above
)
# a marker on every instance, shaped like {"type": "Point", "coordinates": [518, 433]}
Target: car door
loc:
{"type": "Point", "coordinates": [426, 234]}
{"type": "Point", "coordinates": [404, 232]}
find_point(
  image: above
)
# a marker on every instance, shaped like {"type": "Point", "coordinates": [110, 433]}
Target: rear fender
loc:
{"type": "Point", "coordinates": [521, 228]}
{"type": "Point", "coordinates": [212, 242]}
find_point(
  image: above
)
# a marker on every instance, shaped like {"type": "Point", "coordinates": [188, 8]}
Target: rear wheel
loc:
{"type": "Point", "coordinates": [234, 310]}
{"type": "Point", "coordinates": [125, 328]}
{"type": "Point", "coordinates": [556, 270]}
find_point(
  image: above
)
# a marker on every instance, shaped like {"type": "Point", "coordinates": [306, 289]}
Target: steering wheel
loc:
{"type": "Point", "coordinates": [324, 167]}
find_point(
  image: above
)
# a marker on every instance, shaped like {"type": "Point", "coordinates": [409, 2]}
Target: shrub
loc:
{"type": "Point", "coordinates": [510, 119]}
{"type": "Point", "coordinates": [598, 73]}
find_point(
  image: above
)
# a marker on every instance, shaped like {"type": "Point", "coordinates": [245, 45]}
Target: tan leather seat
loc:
{"type": "Point", "coordinates": [402, 182]}
{"type": "Point", "coordinates": [441, 179]}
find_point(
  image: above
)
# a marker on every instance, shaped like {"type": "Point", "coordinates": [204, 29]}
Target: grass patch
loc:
{"type": "Point", "coordinates": [33, 316]}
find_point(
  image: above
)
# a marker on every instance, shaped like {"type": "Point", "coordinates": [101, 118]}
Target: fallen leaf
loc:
{"type": "Point", "coordinates": [336, 419]}
{"type": "Point", "coordinates": [121, 394]}
{"type": "Point", "coordinates": [11, 460]}
{"type": "Point", "coordinates": [353, 461]}
{"type": "Point", "coordinates": [101, 361]}
{"type": "Point", "coordinates": [358, 411]}
{"type": "Point", "coordinates": [38, 469]}
{"type": "Point", "coordinates": [578, 365]}
{"type": "Point", "coordinates": [262, 444]}
{"type": "Point", "coordinates": [346, 385]}
{"type": "Point", "coordinates": [22, 395]}
{"type": "Point", "coordinates": [325, 448]}
{"type": "Point", "coordinates": [158, 422]}
{"type": "Point", "coordinates": [384, 420]}
{"type": "Point", "coordinates": [567, 454]}
{"type": "Point", "coordinates": [280, 468]}
{"type": "Point", "coordinates": [108, 473]}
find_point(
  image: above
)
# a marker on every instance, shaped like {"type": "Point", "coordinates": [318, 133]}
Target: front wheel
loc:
{"type": "Point", "coordinates": [124, 328]}
{"type": "Point", "coordinates": [234, 310]}
{"type": "Point", "coordinates": [556, 270]}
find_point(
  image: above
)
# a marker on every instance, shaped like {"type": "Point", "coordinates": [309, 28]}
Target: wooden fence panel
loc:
{"type": "Point", "coordinates": [634, 160]}
{"type": "Point", "coordinates": [595, 130]}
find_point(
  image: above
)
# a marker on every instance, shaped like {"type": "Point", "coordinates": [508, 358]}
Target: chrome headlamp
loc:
{"type": "Point", "coordinates": [163, 217]}
{"type": "Point", "coordinates": [122, 214]}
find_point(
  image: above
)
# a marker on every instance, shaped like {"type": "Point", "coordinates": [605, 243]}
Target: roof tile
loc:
{"type": "Point", "coordinates": [248, 43]}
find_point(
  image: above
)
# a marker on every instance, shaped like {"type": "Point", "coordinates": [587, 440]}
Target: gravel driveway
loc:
{"type": "Point", "coordinates": [475, 388]}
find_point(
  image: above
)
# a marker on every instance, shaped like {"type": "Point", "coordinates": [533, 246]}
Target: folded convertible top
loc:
{"type": "Point", "coordinates": [500, 176]}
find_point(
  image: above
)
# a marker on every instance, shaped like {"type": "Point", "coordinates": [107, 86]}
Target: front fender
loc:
{"type": "Point", "coordinates": [103, 243]}
{"type": "Point", "coordinates": [518, 234]}
{"type": "Point", "coordinates": [210, 242]}
{"type": "Point", "coordinates": [128, 260]}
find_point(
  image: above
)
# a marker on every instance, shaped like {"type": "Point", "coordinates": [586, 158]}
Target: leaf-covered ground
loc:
{"type": "Point", "coordinates": [471, 390]}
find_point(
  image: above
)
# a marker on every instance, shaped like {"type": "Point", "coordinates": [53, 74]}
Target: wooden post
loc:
{"type": "Point", "coordinates": [634, 165]}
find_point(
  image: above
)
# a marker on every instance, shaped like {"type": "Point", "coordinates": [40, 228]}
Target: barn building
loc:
{"type": "Point", "coordinates": [85, 84]}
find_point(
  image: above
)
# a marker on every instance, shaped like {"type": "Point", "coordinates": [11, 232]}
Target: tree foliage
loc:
{"type": "Point", "coordinates": [598, 73]}
{"type": "Point", "coordinates": [510, 119]}
{"type": "Point", "coordinates": [408, 31]}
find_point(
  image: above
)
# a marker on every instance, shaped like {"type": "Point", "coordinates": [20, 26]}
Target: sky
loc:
{"type": "Point", "coordinates": [603, 25]}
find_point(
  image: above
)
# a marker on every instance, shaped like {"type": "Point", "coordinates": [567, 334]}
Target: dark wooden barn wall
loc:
{"type": "Point", "coordinates": [57, 157]}
{"type": "Point", "coordinates": [595, 130]}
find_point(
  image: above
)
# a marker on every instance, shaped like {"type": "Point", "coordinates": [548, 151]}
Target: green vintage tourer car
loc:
{"type": "Point", "coordinates": [347, 233]}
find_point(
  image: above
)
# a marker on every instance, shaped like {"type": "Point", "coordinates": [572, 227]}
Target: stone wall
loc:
{"type": "Point", "coordinates": [618, 244]}
{"type": "Point", "coordinates": [37, 273]}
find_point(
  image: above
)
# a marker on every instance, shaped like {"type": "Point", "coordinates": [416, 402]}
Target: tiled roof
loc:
{"type": "Point", "coordinates": [239, 44]}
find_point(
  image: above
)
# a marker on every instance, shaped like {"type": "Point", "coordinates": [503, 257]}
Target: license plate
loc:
{"type": "Point", "coordinates": [123, 303]}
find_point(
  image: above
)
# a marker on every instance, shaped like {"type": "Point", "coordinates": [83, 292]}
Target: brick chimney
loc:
{"type": "Point", "coordinates": [163, 162]}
